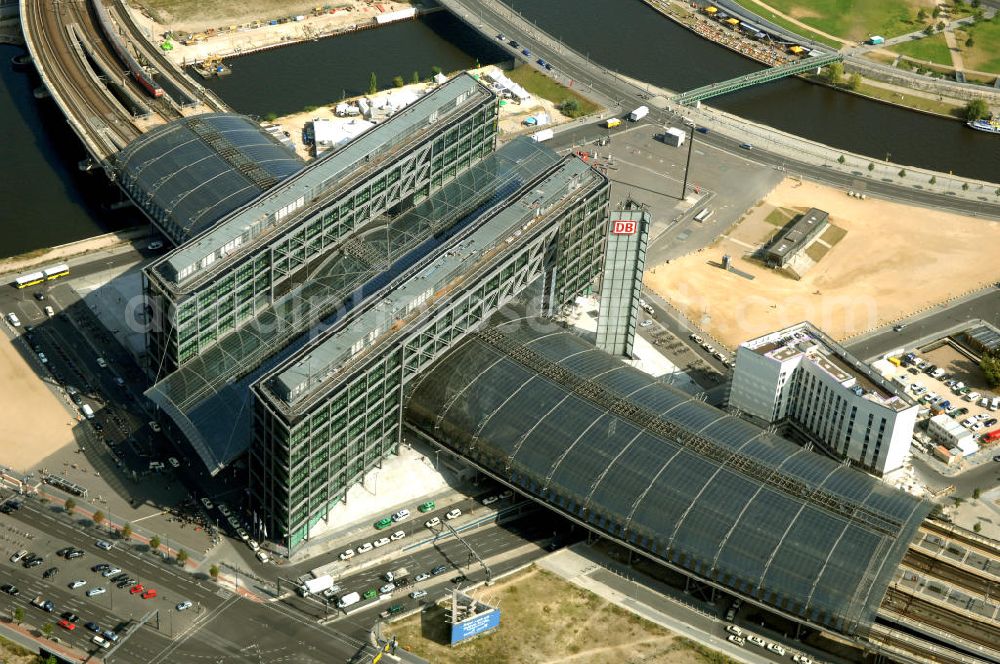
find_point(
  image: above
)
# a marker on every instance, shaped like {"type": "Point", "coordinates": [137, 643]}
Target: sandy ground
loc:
{"type": "Point", "coordinates": [25, 441]}
{"type": "Point", "coordinates": [511, 115]}
{"type": "Point", "coordinates": [234, 34]}
{"type": "Point", "coordinates": [894, 262]}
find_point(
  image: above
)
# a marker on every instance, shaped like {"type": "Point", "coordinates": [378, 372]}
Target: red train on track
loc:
{"type": "Point", "coordinates": [136, 70]}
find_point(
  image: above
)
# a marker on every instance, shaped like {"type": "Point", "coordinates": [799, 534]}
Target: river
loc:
{"type": "Point", "coordinates": [46, 200]}
{"type": "Point", "coordinates": [630, 37]}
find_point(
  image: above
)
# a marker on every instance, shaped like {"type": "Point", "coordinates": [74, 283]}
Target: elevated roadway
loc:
{"type": "Point", "coordinates": [620, 95]}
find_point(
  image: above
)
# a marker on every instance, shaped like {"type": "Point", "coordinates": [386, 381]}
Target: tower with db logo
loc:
{"type": "Point", "coordinates": [621, 283]}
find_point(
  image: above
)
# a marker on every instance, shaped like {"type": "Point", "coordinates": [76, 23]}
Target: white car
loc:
{"type": "Point", "coordinates": [381, 541]}
{"type": "Point", "coordinates": [154, 426]}
{"type": "Point", "coordinates": [430, 523]}
{"type": "Point", "coordinates": [104, 544]}
{"type": "Point", "coordinates": [365, 548]}
{"type": "Point", "coordinates": [224, 509]}
{"type": "Point", "coordinates": [14, 320]}
{"type": "Point", "coordinates": [776, 649]}
{"type": "Point", "coordinates": [253, 545]}
{"type": "Point", "coordinates": [423, 576]}
{"type": "Point", "coordinates": [801, 659]}
{"type": "Point", "coordinates": [489, 500]}
{"type": "Point", "coordinates": [174, 463]}
{"type": "Point", "coordinates": [101, 641]}
{"type": "Point", "coordinates": [207, 503]}
{"type": "Point", "coordinates": [79, 583]}
{"type": "Point", "coordinates": [417, 594]}
{"type": "Point", "coordinates": [400, 515]}
{"type": "Point", "coordinates": [347, 555]}
{"type": "Point", "coordinates": [398, 535]}
{"type": "Point", "coordinates": [154, 245]}
{"type": "Point", "coordinates": [102, 363]}
{"type": "Point", "coordinates": [646, 323]}
{"type": "Point", "coordinates": [733, 629]}
{"type": "Point", "coordinates": [42, 358]}
{"type": "Point", "coordinates": [244, 535]}
{"type": "Point", "coordinates": [96, 591]}
{"type": "Point", "coordinates": [184, 606]}
{"type": "Point", "coordinates": [738, 640]}
{"type": "Point", "coordinates": [505, 494]}
{"type": "Point", "coordinates": [49, 311]}
{"type": "Point", "coordinates": [263, 557]}
{"type": "Point", "coordinates": [453, 514]}
{"type": "Point", "coordinates": [387, 588]}
{"type": "Point", "coordinates": [111, 571]}
{"type": "Point", "coordinates": [756, 640]}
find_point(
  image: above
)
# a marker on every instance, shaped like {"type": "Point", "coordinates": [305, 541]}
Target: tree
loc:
{"type": "Point", "coordinates": [929, 30]}
{"type": "Point", "coordinates": [936, 11]}
{"type": "Point", "coordinates": [970, 42]}
{"type": "Point", "coordinates": [98, 517]}
{"type": "Point", "coordinates": [570, 108]}
{"type": "Point", "coordinates": [976, 493]}
{"type": "Point", "coordinates": [990, 364]}
{"type": "Point", "coordinates": [154, 543]}
{"type": "Point", "coordinates": [922, 15]}
{"type": "Point", "coordinates": [47, 629]}
{"type": "Point", "coordinates": [871, 166]}
{"type": "Point", "coordinates": [435, 70]}
{"type": "Point", "coordinates": [52, 660]}
{"type": "Point", "coordinates": [18, 615]}
{"type": "Point", "coordinates": [835, 72]}
{"type": "Point", "coordinates": [416, 77]}
{"type": "Point", "coordinates": [182, 556]}
{"type": "Point", "coordinates": [854, 81]}
{"type": "Point", "coordinates": [398, 81]}
{"type": "Point", "coordinates": [841, 159]}
{"type": "Point", "coordinates": [933, 179]}
{"type": "Point", "coordinates": [965, 186]}
{"type": "Point", "coordinates": [977, 109]}
{"type": "Point", "coordinates": [977, 527]}
{"type": "Point", "coordinates": [902, 172]}
{"type": "Point", "coordinates": [126, 531]}
{"type": "Point", "coordinates": [213, 572]}
{"type": "Point", "coordinates": [70, 505]}
{"type": "Point", "coordinates": [941, 25]}
{"type": "Point", "coordinates": [271, 117]}
{"type": "Point", "coordinates": [372, 84]}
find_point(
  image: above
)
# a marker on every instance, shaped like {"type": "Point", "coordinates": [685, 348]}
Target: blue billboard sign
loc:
{"type": "Point", "coordinates": [474, 626]}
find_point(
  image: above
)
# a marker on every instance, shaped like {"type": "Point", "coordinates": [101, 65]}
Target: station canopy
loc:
{"type": "Point", "coordinates": [685, 483]}
{"type": "Point", "coordinates": [189, 173]}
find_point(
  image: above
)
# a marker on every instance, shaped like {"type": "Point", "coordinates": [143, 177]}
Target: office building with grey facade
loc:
{"type": "Point", "coordinates": [332, 411]}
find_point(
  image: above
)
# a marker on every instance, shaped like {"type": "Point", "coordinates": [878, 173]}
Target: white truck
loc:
{"type": "Point", "coordinates": [396, 575]}
{"type": "Point", "coordinates": [315, 586]}
{"type": "Point", "coordinates": [348, 599]}
{"type": "Point", "coordinates": [542, 135]}
{"type": "Point", "coordinates": [638, 114]}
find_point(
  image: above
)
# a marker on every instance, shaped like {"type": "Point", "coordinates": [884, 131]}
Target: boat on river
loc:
{"type": "Point", "coordinates": [991, 126]}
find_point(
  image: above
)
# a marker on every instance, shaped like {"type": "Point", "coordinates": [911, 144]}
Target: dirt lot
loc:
{"type": "Point", "coordinates": [11, 653]}
{"type": "Point", "coordinates": [547, 620]}
{"type": "Point", "coordinates": [35, 423]}
{"type": "Point", "coordinates": [893, 261]}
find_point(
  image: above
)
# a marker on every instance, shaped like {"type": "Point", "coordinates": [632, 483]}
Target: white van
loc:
{"type": "Point", "coordinates": [348, 599]}
{"type": "Point", "coordinates": [14, 320]}
{"type": "Point", "coordinates": [87, 411]}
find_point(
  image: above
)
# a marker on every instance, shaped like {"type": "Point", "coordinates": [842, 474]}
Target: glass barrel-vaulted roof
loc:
{"type": "Point", "coordinates": [189, 173]}
{"type": "Point", "coordinates": [682, 481]}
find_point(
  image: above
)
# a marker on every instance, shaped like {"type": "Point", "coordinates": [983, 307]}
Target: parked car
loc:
{"type": "Point", "coordinates": [149, 594]}
{"type": "Point", "coordinates": [380, 542]}
{"type": "Point", "coordinates": [423, 576]}
{"type": "Point", "coordinates": [136, 589]}
{"type": "Point", "coordinates": [417, 594]}
{"type": "Point", "coordinates": [383, 523]}
{"type": "Point", "coordinates": [371, 593]}
{"type": "Point", "coordinates": [426, 507]}
{"type": "Point", "coordinates": [65, 624]}
{"type": "Point", "coordinates": [400, 515]}
{"type": "Point", "coordinates": [365, 548]}
{"type": "Point", "coordinates": [79, 583]}
{"type": "Point", "coordinates": [440, 569]}
{"type": "Point", "coordinates": [50, 572]}
{"type": "Point", "coordinates": [104, 544]}
{"type": "Point", "coordinates": [99, 590]}
{"type": "Point", "coordinates": [398, 535]}
{"type": "Point", "coordinates": [430, 523]}
{"type": "Point", "coordinates": [347, 555]}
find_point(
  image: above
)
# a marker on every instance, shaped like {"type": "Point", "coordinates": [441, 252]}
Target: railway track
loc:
{"type": "Point", "coordinates": [981, 545]}
{"type": "Point", "coordinates": [896, 642]}
{"type": "Point", "coordinates": [926, 563]}
{"type": "Point", "coordinates": [104, 125]}
{"type": "Point", "coordinates": [982, 632]}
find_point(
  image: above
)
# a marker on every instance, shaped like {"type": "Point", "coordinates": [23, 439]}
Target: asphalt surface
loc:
{"type": "Point", "coordinates": [618, 93]}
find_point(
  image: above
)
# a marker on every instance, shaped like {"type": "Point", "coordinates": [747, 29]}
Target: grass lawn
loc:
{"type": "Point", "coordinates": [853, 20]}
{"type": "Point", "coordinates": [931, 49]}
{"type": "Point", "coordinates": [546, 619]}
{"type": "Point", "coordinates": [780, 216]}
{"type": "Point", "coordinates": [985, 54]}
{"type": "Point", "coordinates": [542, 86]}
{"type": "Point", "coordinates": [833, 235]}
{"type": "Point", "coordinates": [224, 11]}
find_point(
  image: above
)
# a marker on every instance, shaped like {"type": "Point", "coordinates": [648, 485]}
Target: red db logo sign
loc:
{"type": "Point", "coordinates": [624, 227]}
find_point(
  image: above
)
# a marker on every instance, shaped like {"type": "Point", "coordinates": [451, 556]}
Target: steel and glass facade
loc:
{"type": "Point", "coordinates": [621, 282]}
{"type": "Point", "coordinates": [333, 411]}
{"type": "Point", "coordinates": [228, 275]}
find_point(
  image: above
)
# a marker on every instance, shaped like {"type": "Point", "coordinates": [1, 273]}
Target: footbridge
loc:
{"type": "Point", "coordinates": [699, 491]}
{"type": "Point", "coordinates": [757, 78]}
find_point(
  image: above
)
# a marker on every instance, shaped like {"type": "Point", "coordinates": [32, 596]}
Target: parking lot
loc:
{"type": "Point", "coordinates": [942, 388]}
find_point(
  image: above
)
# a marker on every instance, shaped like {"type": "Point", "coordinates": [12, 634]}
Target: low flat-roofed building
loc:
{"type": "Point", "coordinates": [800, 376]}
{"type": "Point", "coordinates": [945, 430]}
{"type": "Point", "coordinates": [795, 236]}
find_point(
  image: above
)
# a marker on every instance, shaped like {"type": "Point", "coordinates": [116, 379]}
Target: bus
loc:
{"type": "Point", "coordinates": [26, 280]}
{"type": "Point", "coordinates": [46, 274]}
{"type": "Point", "coordinates": [56, 271]}
{"type": "Point", "coordinates": [704, 215]}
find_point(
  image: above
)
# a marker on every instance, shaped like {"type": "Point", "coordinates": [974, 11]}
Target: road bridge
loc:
{"type": "Point", "coordinates": [756, 78]}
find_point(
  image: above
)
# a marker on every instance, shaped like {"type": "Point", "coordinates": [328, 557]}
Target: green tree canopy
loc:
{"type": "Point", "coordinates": [990, 364]}
{"type": "Point", "coordinates": [977, 109]}
{"type": "Point", "coordinates": [372, 84]}
{"type": "Point", "coordinates": [70, 505]}
{"type": "Point", "coordinates": [154, 542]}
{"type": "Point", "coordinates": [398, 81]}
{"type": "Point", "coordinates": [213, 572]}
{"type": "Point", "coordinates": [98, 517]}
{"type": "Point", "coordinates": [835, 72]}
